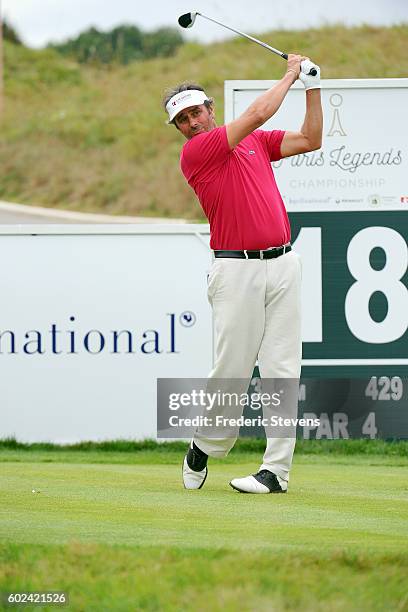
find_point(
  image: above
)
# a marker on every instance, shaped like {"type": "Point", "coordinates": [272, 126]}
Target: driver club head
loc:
{"type": "Point", "coordinates": [187, 20]}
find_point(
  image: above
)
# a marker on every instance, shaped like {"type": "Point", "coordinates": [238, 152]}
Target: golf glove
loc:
{"type": "Point", "coordinates": [309, 81]}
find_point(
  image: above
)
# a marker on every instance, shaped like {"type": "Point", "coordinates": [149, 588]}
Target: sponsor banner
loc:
{"type": "Point", "coordinates": [89, 318]}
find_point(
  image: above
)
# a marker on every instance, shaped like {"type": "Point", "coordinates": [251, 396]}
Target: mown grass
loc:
{"type": "Point", "coordinates": [128, 537]}
{"type": "Point", "coordinates": [162, 579]}
{"type": "Point", "coordinates": [94, 139]}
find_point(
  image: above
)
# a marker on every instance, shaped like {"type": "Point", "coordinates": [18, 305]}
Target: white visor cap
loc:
{"type": "Point", "coordinates": [184, 99]}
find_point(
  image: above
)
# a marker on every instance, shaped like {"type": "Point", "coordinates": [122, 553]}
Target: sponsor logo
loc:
{"type": "Point", "coordinates": [187, 318]}
{"type": "Point", "coordinates": [181, 99]}
{"type": "Point", "coordinates": [349, 200]}
{"type": "Point", "coordinates": [307, 200]}
{"type": "Point", "coordinates": [336, 128]}
{"type": "Point", "coordinates": [56, 339]}
{"type": "Point", "coordinates": [377, 200]}
{"type": "Point", "coordinates": [374, 200]}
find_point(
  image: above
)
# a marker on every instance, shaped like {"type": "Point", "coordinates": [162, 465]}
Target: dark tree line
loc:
{"type": "Point", "coordinates": [10, 34]}
{"type": "Point", "coordinates": [122, 45]}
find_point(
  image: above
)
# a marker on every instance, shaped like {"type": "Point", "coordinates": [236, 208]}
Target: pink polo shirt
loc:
{"type": "Point", "coordinates": [237, 188]}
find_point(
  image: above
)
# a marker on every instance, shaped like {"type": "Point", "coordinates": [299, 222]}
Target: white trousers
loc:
{"type": "Point", "coordinates": [256, 313]}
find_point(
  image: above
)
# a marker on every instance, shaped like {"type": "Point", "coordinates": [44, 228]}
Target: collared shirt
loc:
{"type": "Point", "coordinates": [237, 188]}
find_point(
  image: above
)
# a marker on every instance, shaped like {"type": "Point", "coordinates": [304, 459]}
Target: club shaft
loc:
{"type": "Point", "coordinates": [255, 40]}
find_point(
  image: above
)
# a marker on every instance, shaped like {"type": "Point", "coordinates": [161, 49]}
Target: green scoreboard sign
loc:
{"type": "Point", "coordinates": [356, 309]}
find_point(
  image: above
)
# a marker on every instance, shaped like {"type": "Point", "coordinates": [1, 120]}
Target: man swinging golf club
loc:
{"type": "Point", "coordinates": [254, 282]}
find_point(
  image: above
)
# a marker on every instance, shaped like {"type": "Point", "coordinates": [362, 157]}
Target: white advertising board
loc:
{"type": "Point", "coordinates": [363, 161]}
{"type": "Point", "coordinates": [90, 317]}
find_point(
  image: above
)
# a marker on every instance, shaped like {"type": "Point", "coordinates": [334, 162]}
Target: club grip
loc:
{"type": "Point", "coordinates": [312, 71]}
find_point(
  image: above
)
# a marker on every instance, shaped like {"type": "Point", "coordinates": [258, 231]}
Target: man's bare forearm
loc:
{"type": "Point", "coordinates": [267, 104]}
{"type": "Point", "coordinates": [312, 127]}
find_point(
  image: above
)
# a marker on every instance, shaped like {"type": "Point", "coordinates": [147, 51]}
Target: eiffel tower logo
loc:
{"type": "Point", "coordinates": [336, 100]}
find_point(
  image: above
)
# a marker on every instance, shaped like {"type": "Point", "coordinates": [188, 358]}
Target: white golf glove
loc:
{"type": "Point", "coordinates": [309, 81]}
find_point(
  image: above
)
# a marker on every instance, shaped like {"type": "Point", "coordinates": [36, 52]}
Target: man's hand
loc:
{"type": "Point", "coordinates": [309, 81]}
{"type": "Point", "coordinates": [294, 66]}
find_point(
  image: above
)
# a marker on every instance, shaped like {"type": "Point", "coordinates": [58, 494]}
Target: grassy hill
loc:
{"type": "Point", "coordinates": [94, 138]}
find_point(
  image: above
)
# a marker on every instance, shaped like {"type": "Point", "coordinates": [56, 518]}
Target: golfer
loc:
{"type": "Point", "coordinates": [254, 282]}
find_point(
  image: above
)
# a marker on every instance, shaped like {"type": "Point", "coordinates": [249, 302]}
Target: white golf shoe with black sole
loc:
{"type": "Point", "coordinates": [263, 481]}
{"type": "Point", "coordinates": [194, 468]}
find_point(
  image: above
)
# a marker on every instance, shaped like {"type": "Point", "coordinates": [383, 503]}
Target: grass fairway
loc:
{"type": "Point", "coordinates": [126, 536]}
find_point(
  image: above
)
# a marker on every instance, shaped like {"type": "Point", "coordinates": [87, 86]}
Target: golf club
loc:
{"type": "Point", "coordinates": [188, 19]}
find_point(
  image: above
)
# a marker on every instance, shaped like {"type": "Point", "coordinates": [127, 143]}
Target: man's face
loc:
{"type": "Point", "coordinates": [195, 120]}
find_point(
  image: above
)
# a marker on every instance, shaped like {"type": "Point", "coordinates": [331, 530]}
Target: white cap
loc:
{"type": "Point", "coordinates": [184, 99]}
